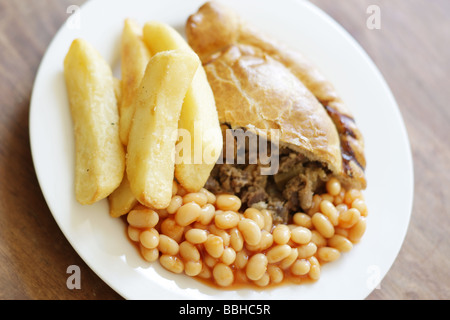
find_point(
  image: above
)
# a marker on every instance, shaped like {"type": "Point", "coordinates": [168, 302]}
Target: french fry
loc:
{"type": "Point", "coordinates": [151, 143]}
{"type": "Point", "coordinates": [134, 60]}
{"type": "Point", "coordinates": [122, 200]}
{"type": "Point", "coordinates": [198, 115]}
{"type": "Point", "coordinates": [100, 157]}
{"type": "Point", "coordinates": [118, 92]}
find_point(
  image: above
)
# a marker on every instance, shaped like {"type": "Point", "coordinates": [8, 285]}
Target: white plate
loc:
{"type": "Point", "coordinates": [101, 241]}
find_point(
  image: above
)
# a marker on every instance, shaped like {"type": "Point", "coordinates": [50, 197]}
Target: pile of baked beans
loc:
{"type": "Point", "coordinates": [206, 236]}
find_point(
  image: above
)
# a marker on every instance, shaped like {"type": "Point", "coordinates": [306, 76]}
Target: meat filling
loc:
{"type": "Point", "coordinates": [288, 191]}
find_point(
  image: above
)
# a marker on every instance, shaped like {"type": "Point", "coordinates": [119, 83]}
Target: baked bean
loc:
{"type": "Point", "coordinates": [301, 235]}
{"type": "Point", "coordinates": [199, 225]}
{"type": "Point", "coordinates": [318, 239]}
{"type": "Point", "coordinates": [236, 239]}
{"type": "Point", "coordinates": [306, 250]}
{"type": "Point", "coordinates": [338, 200]}
{"type": "Point", "coordinates": [313, 261]}
{"type": "Point", "coordinates": [149, 255]}
{"type": "Point", "coordinates": [175, 204]}
{"type": "Point", "coordinates": [263, 281]}
{"type": "Point", "coordinates": [351, 195]}
{"type": "Point", "coordinates": [172, 263]}
{"type": "Point", "coordinates": [340, 243]}
{"type": "Point", "coordinates": [149, 238]}
{"type": "Point", "coordinates": [256, 266]}
{"type": "Point", "coordinates": [209, 261]}
{"type": "Point", "coordinates": [290, 259]}
{"type": "Point", "coordinates": [330, 211]}
{"type": "Point", "coordinates": [228, 256]}
{"type": "Point", "coordinates": [314, 270]}
{"type": "Point", "coordinates": [187, 214]}
{"type": "Point", "coordinates": [193, 268]}
{"type": "Point", "coordinates": [199, 198]}
{"type": "Point", "coordinates": [206, 214]}
{"type": "Point", "coordinates": [315, 205]}
{"type": "Point", "coordinates": [221, 233]}
{"type": "Point", "coordinates": [327, 197]}
{"type": "Point", "coordinates": [300, 267]}
{"type": "Point", "coordinates": [291, 226]}
{"type": "Point", "coordinates": [250, 231]}
{"type": "Point", "coordinates": [361, 206]}
{"type": "Point", "coordinates": [341, 231]}
{"type": "Point", "coordinates": [143, 218]}
{"type": "Point", "coordinates": [196, 236]}
{"type": "Point", "coordinates": [205, 273]}
{"type": "Point", "coordinates": [189, 252]}
{"type": "Point", "coordinates": [255, 215]}
{"type": "Point", "coordinates": [214, 246]}
{"type": "Point", "coordinates": [328, 254]}
{"type": "Point", "coordinates": [341, 208]}
{"type": "Point", "coordinates": [228, 202]}
{"type": "Point", "coordinates": [333, 186]}
{"type": "Point", "coordinates": [275, 273]}
{"type": "Point", "coordinates": [211, 198]}
{"type": "Point", "coordinates": [240, 277]}
{"type": "Point", "coordinates": [174, 188]}
{"type": "Point", "coordinates": [133, 233]}
{"type": "Point", "coordinates": [223, 275]}
{"type": "Point", "coordinates": [170, 228]}
{"type": "Point", "coordinates": [302, 219]}
{"type": "Point", "coordinates": [281, 234]}
{"type": "Point", "coordinates": [292, 244]}
{"type": "Point", "coordinates": [241, 259]}
{"type": "Point", "coordinates": [265, 242]}
{"type": "Point", "coordinates": [349, 218]}
{"type": "Point", "coordinates": [226, 219]}
{"type": "Point", "coordinates": [323, 225]}
{"type": "Point", "coordinates": [278, 253]}
{"type": "Point", "coordinates": [167, 245]}
{"type": "Point", "coordinates": [268, 220]}
{"type": "Point", "coordinates": [357, 231]}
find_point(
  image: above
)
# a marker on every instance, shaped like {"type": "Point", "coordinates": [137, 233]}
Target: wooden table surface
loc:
{"type": "Point", "coordinates": [412, 50]}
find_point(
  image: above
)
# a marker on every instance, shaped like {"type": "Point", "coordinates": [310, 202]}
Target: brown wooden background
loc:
{"type": "Point", "coordinates": [412, 50]}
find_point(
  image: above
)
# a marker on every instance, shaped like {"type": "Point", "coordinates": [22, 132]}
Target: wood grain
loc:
{"type": "Point", "coordinates": [411, 50]}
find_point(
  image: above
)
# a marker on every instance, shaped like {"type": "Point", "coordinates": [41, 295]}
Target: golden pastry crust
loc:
{"type": "Point", "coordinates": [214, 28]}
{"type": "Point", "coordinates": [256, 92]}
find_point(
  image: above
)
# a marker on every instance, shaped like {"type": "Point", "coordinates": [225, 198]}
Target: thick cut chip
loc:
{"type": "Point", "coordinates": [134, 60]}
{"type": "Point", "coordinates": [122, 200]}
{"type": "Point", "coordinates": [100, 157]}
{"type": "Point", "coordinates": [199, 123]}
{"type": "Point", "coordinates": [153, 134]}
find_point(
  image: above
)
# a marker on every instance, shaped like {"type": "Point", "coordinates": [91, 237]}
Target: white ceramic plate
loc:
{"type": "Point", "coordinates": [101, 241]}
